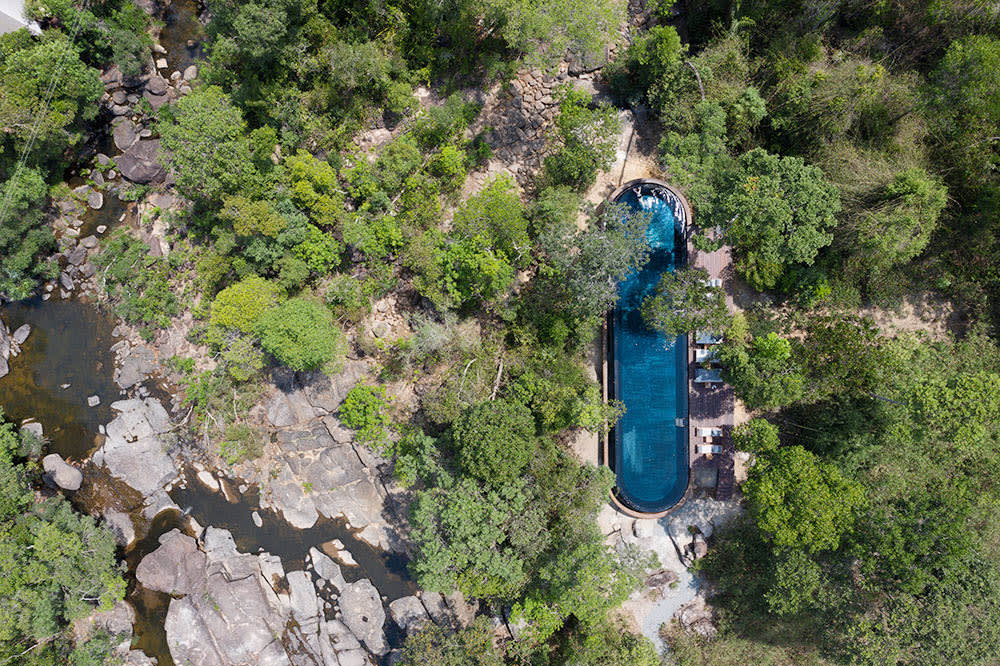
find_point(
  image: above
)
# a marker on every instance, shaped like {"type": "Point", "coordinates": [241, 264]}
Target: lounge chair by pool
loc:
{"type": "Point", "coordinates": [707, 338]}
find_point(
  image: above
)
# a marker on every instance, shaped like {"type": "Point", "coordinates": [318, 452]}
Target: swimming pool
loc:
{"type": "Point", "coordinates": [649, 371]}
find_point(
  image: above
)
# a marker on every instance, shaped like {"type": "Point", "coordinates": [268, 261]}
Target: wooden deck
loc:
{"type": "Point", "coordinates": [711, 405]}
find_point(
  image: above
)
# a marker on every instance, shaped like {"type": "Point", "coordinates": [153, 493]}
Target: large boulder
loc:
{"type": "Point", "coordinates": [409, 613]}
{"type": "Point", "coordinates": [361, 610]}
{"type": "Point", "coordinates": [62, 473]}
{"type": "Point", "coordinates": [120, 524]}
{"type": "Point", "coordinates": [124, 134]}
{"type": "Point", "coordinates": [140, 163]}
{"type": "Point", "coordinates": [176, 567]}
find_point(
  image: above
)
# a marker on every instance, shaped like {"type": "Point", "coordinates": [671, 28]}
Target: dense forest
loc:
{"type": "Point", "coordinates": [847, 152]}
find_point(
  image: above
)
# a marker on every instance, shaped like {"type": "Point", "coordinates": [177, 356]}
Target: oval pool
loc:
{"type": "Point", "coordinates": [649, 371]}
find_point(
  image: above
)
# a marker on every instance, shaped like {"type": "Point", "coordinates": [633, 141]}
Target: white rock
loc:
{"type": "Point", "coordinates": [209, 481]}
{"type": "Point", "coordinates": [93, 401]}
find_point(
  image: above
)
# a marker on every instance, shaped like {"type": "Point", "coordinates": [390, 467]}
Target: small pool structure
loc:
{"type": "Point", "coordinates": [648, 371]}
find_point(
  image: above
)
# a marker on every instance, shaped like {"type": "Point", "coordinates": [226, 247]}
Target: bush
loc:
{"type": "Point", "coordinates": [138, 284]}
{"type": "Point", "coordinates": [441, 123]}
{"type": "Point", "coordinates": [448, 165]}
{"type": "Point", "coordinates": [364, 411]}
{"type": "Point", "coordinates": [494, 440]}
{"type": "Point", "coordinates": [241, 305]}
{"type": "Point", "coordinates": [586, 139]}
{"type": "Point", "coordinates": [345, 297]}
{"type": "Point", "coordinates": [299, 333]}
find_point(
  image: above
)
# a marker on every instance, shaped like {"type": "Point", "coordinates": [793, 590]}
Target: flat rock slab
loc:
{"type": "Point", "coordinates": [133, 451]}
{"type": "Point", "coordinates": [361, 610]}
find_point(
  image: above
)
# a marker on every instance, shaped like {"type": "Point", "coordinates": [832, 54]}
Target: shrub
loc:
{"type": "Point", "coordinates": [346, 298]}
{"type": "Point", "coordinates": [241, 305]}
{"type": "Point", "coordinates": [364, 411]}
{"type": "Point", "coordinates": [299, 333]}
{"type": "Point", "coordinates": [440, 123]}
{"type": "Point", "coordinates": [494, 440]}
{"type": "Point", "coordinates": [448, 165]}
{"type": "Point", "coordinates": [586, 139]}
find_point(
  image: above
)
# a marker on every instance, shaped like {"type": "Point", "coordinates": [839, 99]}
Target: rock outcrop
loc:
{"type": "Point", "coordinates": [135, 449]}
{"type": "Point", "coordinates": [235, 609]}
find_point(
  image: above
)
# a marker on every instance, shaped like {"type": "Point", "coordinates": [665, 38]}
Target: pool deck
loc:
{"type": "Point", "coordinates": [711, 405]}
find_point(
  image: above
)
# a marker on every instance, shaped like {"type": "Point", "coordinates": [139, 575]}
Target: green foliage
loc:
{"type": "Point", "coordinates": [756, 436]}
{"type": "Point", "coordinates": [586, 140]}
{"type": "Point", "coordinates": [365, 410]}
{"type": "Point", "coordinates": [610, 644]}
{"type": "Point", "coordinates": [24, 237]}
{"type": "Point", "coordinates": [346, 298]}
{"type": "Point", "coordinates": [241, 305]}
{"type": "Point", "coordinates": [58, 565]}
{"type": "Point", "coordinates": [560, 25]}
{"type": "Point", "coordinates": [965, 106]}
{"type": "Point", "coordinates": [494, 217]}
{"type": "Point", "coordinates": [242, 442]}
{"type": "Point", "coordinates": [762, 371]}
{"type": "Point", "coordinates": [440, 124]}
{"type": "Point", "coordinates": [242, 358]}
{"type": "Point", "coordinates": [469, 646]}
{"type": "Point", "coordinates": [314, 187]}
{"type": "Point", "coordinates": [800, 502]}
{"type": "Point", "coordinates": [208, 146]}
{"type": "Point", "coordinates": [46, 92]}
{"type": "Point", "coordinates": [462, 539]}
{"type": "Point", "coordinates": [775, 212]}
{"type": "Point", "coordinates": [448, 166]}
{"type": "Point", "coordinates": [299, 333]}
{"type": "Point", "coordinates": [494, 441]}
{"type": "Point", "coordinates": [137, 283]}
{"type": "Point", "coordinates": [249, 218]}
{"type": "Point", "coordinates": [583, 269]}
{"type": "Point", "coordinates": [320, 251]}
{"type": "Point", "coordinates": [684, 302]}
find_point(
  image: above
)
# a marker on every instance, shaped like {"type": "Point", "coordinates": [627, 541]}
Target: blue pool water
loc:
{"type": "Point", "coordinates": [650, 370]}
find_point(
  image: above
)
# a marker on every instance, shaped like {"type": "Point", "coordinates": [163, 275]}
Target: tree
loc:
{"type": "Point", "coordinates": [208, 146]}
{"type": "Point", "coordinates": [610, 644]}
{"type": "Point", "coordinates": [240, 306]}
{"type": "Point", "coordinates": [684, 302]}
{"type": "Point", "coordinates": [775, 212]}
{"type": "Point", "coordinates": [58, 565]}
{"type": "Point", "coordinates": [364, 410]}
{"type": "Point", "coordinates": [462, 537]}
{"type": "Point", "coordinates": [299, 333]}
{"type": "Point", "coordinates": [586, 140]}
{"type": "Point", "coordinates": [899, 225]}
{"type": "Point", "coordinates": [587, 266]}
{"type": "Point", "coordinates": [494, 441]}
{"type": "Point", "coordinates": [469, 646]}
{"type": "Point", "coordinates": [26, 75]}
{"type": "Point", "coordinates": [545, 30]}
{"type": "Point", "coordinates": [799, 501]}
{"type": "Point", "coordinates": [762, 372]}
{"type": "Point", "coordinates": [965, 98]}
{"type": "Point", "coordinates": [24, 236]}
{"type": "Point", "coordinates": [495, 216]}
{"type": "Point", "coordinates": [756, 436]}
